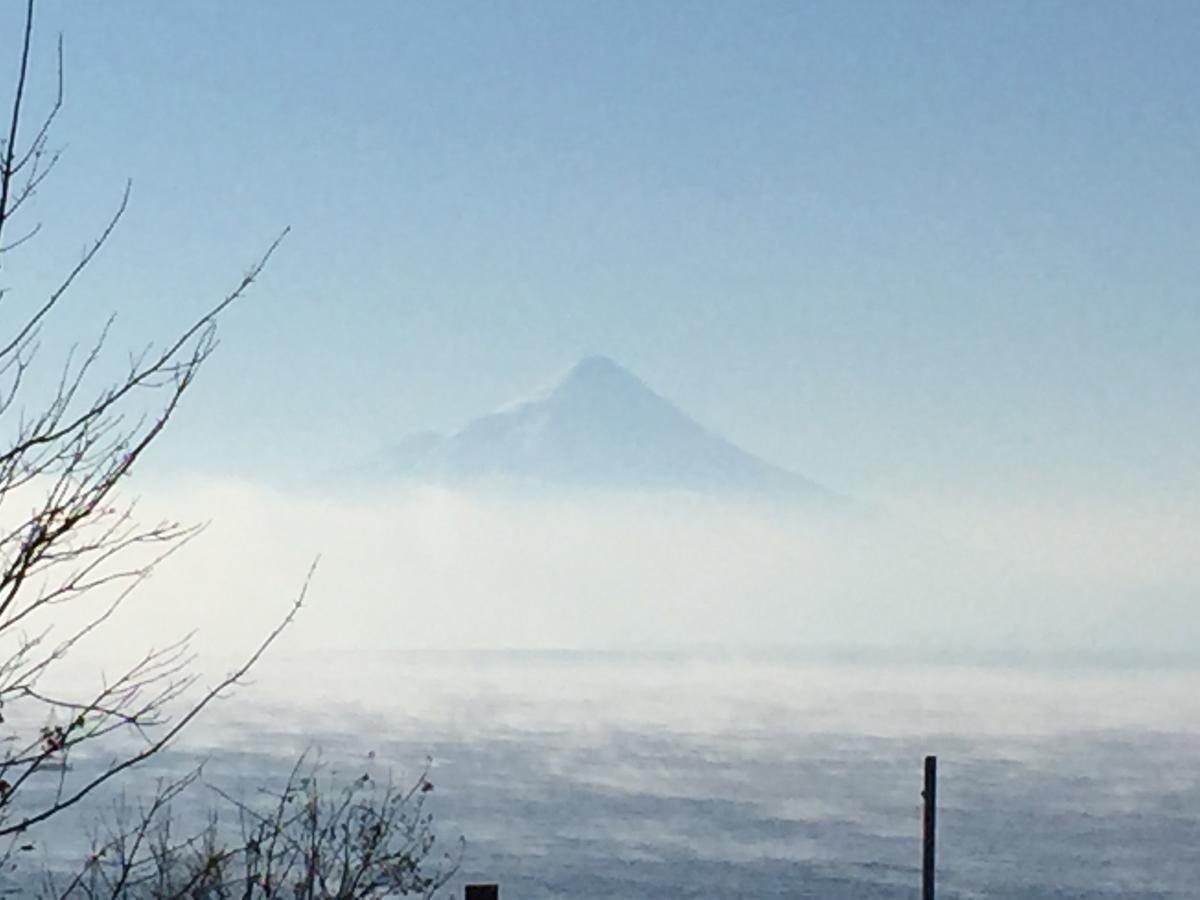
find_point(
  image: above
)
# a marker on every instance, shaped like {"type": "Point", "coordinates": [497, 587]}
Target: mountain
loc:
{"type": "Point", "coordinates": [598, 426]}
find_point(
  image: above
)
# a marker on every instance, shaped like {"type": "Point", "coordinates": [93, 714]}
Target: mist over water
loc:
{"type": "Point", "coordinates": [631, 775]}
{"type": "Point", "coordinates": [644, 695]}
{"type": "Point", "coordinates": [421, 567]}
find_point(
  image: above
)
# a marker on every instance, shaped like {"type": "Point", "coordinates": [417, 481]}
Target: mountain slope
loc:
{"type": "Point", "coordinates": [598, 426]}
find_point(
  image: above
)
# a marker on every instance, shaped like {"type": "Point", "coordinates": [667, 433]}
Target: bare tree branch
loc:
{"type": "Point", "coordinates": [67, 538]}
{"type": "Point", "coordinates": [10, 146]}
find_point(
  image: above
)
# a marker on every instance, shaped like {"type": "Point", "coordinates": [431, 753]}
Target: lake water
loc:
{"type": "Point", "coordinates": [657, 776]}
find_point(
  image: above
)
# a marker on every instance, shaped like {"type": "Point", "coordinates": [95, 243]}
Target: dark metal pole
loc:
{"type": "Point", "coordinates": [482, 892]}
{"type": "Point", "coordinates": [929, 829]}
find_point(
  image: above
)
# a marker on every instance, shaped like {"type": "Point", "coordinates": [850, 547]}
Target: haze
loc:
{"type": "Point", "coordinates": [701, 412]}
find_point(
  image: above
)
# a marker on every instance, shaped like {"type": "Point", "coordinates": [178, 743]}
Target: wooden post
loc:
{"type": "Point", "coordinates": [482, 892]}
{"type": "Point", "coordinates": [929, 829]}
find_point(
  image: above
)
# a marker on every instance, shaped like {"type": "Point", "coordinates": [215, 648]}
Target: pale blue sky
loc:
{"type": "Point", "coordinates": [902, 247]}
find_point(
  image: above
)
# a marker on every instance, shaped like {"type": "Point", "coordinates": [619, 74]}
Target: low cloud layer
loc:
{"type": "Point", "coordinates": [436, 568]}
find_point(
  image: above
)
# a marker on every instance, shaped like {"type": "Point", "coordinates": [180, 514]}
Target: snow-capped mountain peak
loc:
{"type": "Point", "coordinates": [598, 425]}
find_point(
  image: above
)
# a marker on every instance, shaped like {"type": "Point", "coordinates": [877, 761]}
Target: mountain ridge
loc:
{"type": "Point", "coordinates": [600, 426]}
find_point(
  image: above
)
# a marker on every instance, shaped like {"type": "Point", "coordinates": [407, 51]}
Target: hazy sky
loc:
{"type": "Point", "coordinates": [902, 248]}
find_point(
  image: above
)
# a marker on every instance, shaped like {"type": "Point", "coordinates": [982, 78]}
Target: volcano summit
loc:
{"type": "Point", "coordinates": [598, 426]}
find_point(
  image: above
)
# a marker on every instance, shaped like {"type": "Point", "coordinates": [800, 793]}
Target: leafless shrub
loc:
{"type": "Point", "coordinates": [310, 840]}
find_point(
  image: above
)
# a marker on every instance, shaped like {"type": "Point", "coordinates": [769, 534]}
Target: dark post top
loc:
{"type": "Point", "coordinates": [482, 892]}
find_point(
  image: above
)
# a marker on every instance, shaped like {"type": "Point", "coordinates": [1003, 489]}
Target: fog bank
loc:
{"type": "Point", "coordinates": [433, 568]}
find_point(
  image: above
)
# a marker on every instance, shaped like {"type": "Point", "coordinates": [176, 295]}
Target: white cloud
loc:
{"type": "Point", "coordinates": [433, 568]}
